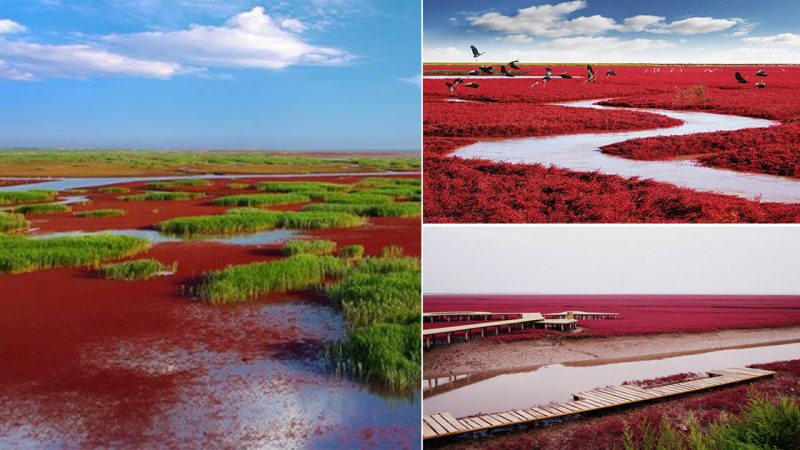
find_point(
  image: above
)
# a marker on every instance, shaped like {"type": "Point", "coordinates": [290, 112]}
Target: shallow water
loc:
{"type": "Point", "coordinates": [557, 382]}
{"type": "Point", "coordinates": [82, 183]}
{"type": "Point", "coordinates": [581, 152]}
{"type": "Point", "coordinates": [263, 237]}
{"type": "Point", "coordinates": [283, 396]}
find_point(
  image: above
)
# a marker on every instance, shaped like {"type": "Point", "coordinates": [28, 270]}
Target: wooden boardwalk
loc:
{"type": "Point", "coordinates": [444, 424]}
{"type": "Point", "coordinates": [526, 320]}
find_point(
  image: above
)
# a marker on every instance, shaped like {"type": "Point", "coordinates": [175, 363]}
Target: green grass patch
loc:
{"type": "Point", "coordinates": [300, 186]}
{"type": "Point", "coordinates": [100, 213]}
{"type": "Point", "coordinates": [17, 197]}
{"type": "Point", "coordinates": [309, 247]}
{"type": "Point", "coordinates": [350, 198]}
{"type": "Point", "coordinates": [762, 424]}
{"type": "Point", "coordinates": [114, 190]}
{"type": "Point", "coordinates": [400, 209]}
{"type": "Point", "coordinates": [238, 185]}
{"type": "Point", "coordinates": [248, 220]}
{"type": "Point", "coordinates": [380, 299]}
{"type": "Point", "coordinates": [262, 199]}
{"type": "Point", "coordinates": [188, 182]}
{"type": "Point", "coordinates": [140, 269]}
{"type": "Point", "coordinates": [161, 196]}
{"type": "Point", "coordinates": [76, 191]}
{"type": "Point", "coordinates": [250, 282]}
{"type": "Point", "coordinates": [12, 222]}
{"type": "Point", "coordinates": [23, 254]}
{"type": "Point", "coordinates": [42, 208]}
{"type": "Point", "coordinates": [352, 251]}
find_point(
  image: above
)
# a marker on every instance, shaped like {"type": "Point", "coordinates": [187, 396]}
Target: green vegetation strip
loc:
{"type": "Point", "coordinates": [42, 208]}
{"type": "Point", "coordinates": [763, 424]}
{"type": "Point", "coordinates": [179, 183]}
{"type": "Point", "coordinates": [262, 199]}
{"type": "Point", "coordinates": [249, 282]}
{"type": "Point", "coordinates": [309, 247]}
{"type": "Point", "coordinates": [246, 220]}
{"type": "Point", "coordinates": [12, 222]}
{"type": "Point", "coordinates": [300, 186]}
{"type": "Point", "coordinates": [23, 254]}
{"type": "Point", "coordinates": [352, 251]}
{"type": "Point", "coordinates": [401, 209]}
{"type": "Point", "coordinates": [162, 196]}
{"type": "Point", "coordinates": [17, 197]}
{"type": "Point", "coordinates": [114, 190]}
{"type": "Point", "coordinates": [100, 213]}
{"type": "Point", "coordinates": [140, 269]}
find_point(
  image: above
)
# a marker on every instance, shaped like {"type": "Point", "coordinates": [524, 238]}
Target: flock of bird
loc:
{"type": "Point", "coordinates": [590, 73]}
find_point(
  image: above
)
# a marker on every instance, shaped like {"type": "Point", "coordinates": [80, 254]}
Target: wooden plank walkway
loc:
{"type": "Point", "coordinates": [443, 424]}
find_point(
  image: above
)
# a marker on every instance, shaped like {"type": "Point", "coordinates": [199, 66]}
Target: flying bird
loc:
{"type": "Point", "coordinates": [740, 78]}
{"type": "Point", "coordinates": [565, 75]}
{"type": "Point", "coordinates": [761, 73]}
{"type": "Point", "coordinates": [505, 72]}
{"type": "Point", "coordinates": [474, 72]}
{"type": "Point", "coordinates": [589, 74]}
{"type": "Point", "coordinates": [475, 52]}
{"type": "Point", "coordinates": [611, 72]}
{"type": "Point", "coordinates": [513, 64]}
{"type": "Point", "coordinates": [761, 85]}
{"type": "Point", "coordinates": [450, 86]}
{"type": "Point", "coordinates": [486, 69]}
{"type": "Point", "coordinates": [536, 84]}
{"type": "Point", "coordinates": [472, 85]}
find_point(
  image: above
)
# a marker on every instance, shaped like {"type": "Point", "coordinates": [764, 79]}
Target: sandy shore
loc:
{"type": "Point", "coordinates": [483, 356]}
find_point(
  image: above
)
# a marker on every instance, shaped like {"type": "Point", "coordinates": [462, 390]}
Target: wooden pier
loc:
{"type": "Point", "coordinates": [525, 320]}
{"type": "Point", "coordinates": [443, 424]}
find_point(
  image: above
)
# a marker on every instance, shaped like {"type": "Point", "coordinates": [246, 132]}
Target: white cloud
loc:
{"type": "Point", "coordinates": [783, 40]}
{"type": "Point", "coordinates": [413, 79]}
{"type": "Point", "coordinates": [694, 25]}
{"type": "Point", "coordinates": [551, 20]}
{"type": "Point", "coordinates": [518, 39]}
{"type": "Point", "coordinates": [8, 26]}
{"type": "Point", "coordinates": [251, 39]}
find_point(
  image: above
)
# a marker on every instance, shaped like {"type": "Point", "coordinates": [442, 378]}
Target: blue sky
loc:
{"type": "Point", "coordinates": [210, 74]}
{"type": "Point", "coordinates": [689, 31]}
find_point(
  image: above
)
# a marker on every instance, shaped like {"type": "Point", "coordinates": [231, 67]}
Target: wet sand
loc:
{"type": "Point", "coordinates": [484, 356]}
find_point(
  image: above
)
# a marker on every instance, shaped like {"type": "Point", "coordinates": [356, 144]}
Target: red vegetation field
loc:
{"type": "Point", "coordinates": [459, 190]}
{"type": "Point", "coordinates": [605, 431]}
{"type": "Point", "coordinates": [641, 314]}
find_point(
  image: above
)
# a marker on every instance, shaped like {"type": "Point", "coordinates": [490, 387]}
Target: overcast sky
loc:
{"type": "Point", "coordinates": [611, 259]}
{"type": "Point", "coordinates": [645, 31]}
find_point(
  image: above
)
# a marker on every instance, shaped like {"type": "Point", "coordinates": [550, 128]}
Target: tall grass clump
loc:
{"type": "Point", "coordinates": [110, 212]}
{"type": "Point", "coordinates": [309, 247]}
{"type": "Point", "coordinates": [42, 208]}
{"type": "Point", "coordinates": [23, 254]}
{"type": "Point", "coordinates": [262, 199]}
{"type": "Point", "coordinates": [237, 185]}
{"type": "Point", "coordinates": [350, 198]}
{"type": "Point", "coordinates": [401, 209]}
{"type": "Point", "coordinates": [762, 424]}
{"type": "Point", "coordinates": [114, 190]}
{"type": "Point", "coordinates": [12, 222]}
{"type": "Point", "coordinates": [140, 269]}
{"type": "Point", "coordinates": [161, 196]}
{"type": "Point", "coordinates": [355, 251]}
{"type": "Point", "coordinates": [253, 281]}
{"type": "Point", "coordinates": [188, 182]}
{"type": "Point", "coordinates": [300, 186]}
{"type": "Point", "coordinates": [17, 197]}
{"type": "Point", "coordinates": [380, 299]}
{"type": "Point", "coordinates": [248, 220]}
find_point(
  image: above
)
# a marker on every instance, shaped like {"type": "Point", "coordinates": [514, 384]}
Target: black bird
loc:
{"type": "Point", "coordinates": [740, 78]}
{"type": "Point", "coordinates": [761, 73]}
{"type": "Point", "coordinates": [513, 64]}
{"type": "Point", "coordinates": [472, 85]}
{"type": "Point", "coordinates": [474, 72]}
{"type": "Point", "coordinates": [564, 75]}
{"type": "Point", "coordinates": [486, 69]}
{"type": "Point", "coordinates": [548, 71]}
{"type": "Point", "coordinates": [589, 74]}
{"type": "Point", "coordinates": [475, 52]}
{"type": "Point", "coordinates": [450, 86]}
{"type": "Point", "coordinates": [761, 85]}
{"type": "Point", "coordinates": [505, 72]}
{"type": "Point", "coordinates": [611, 73]}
